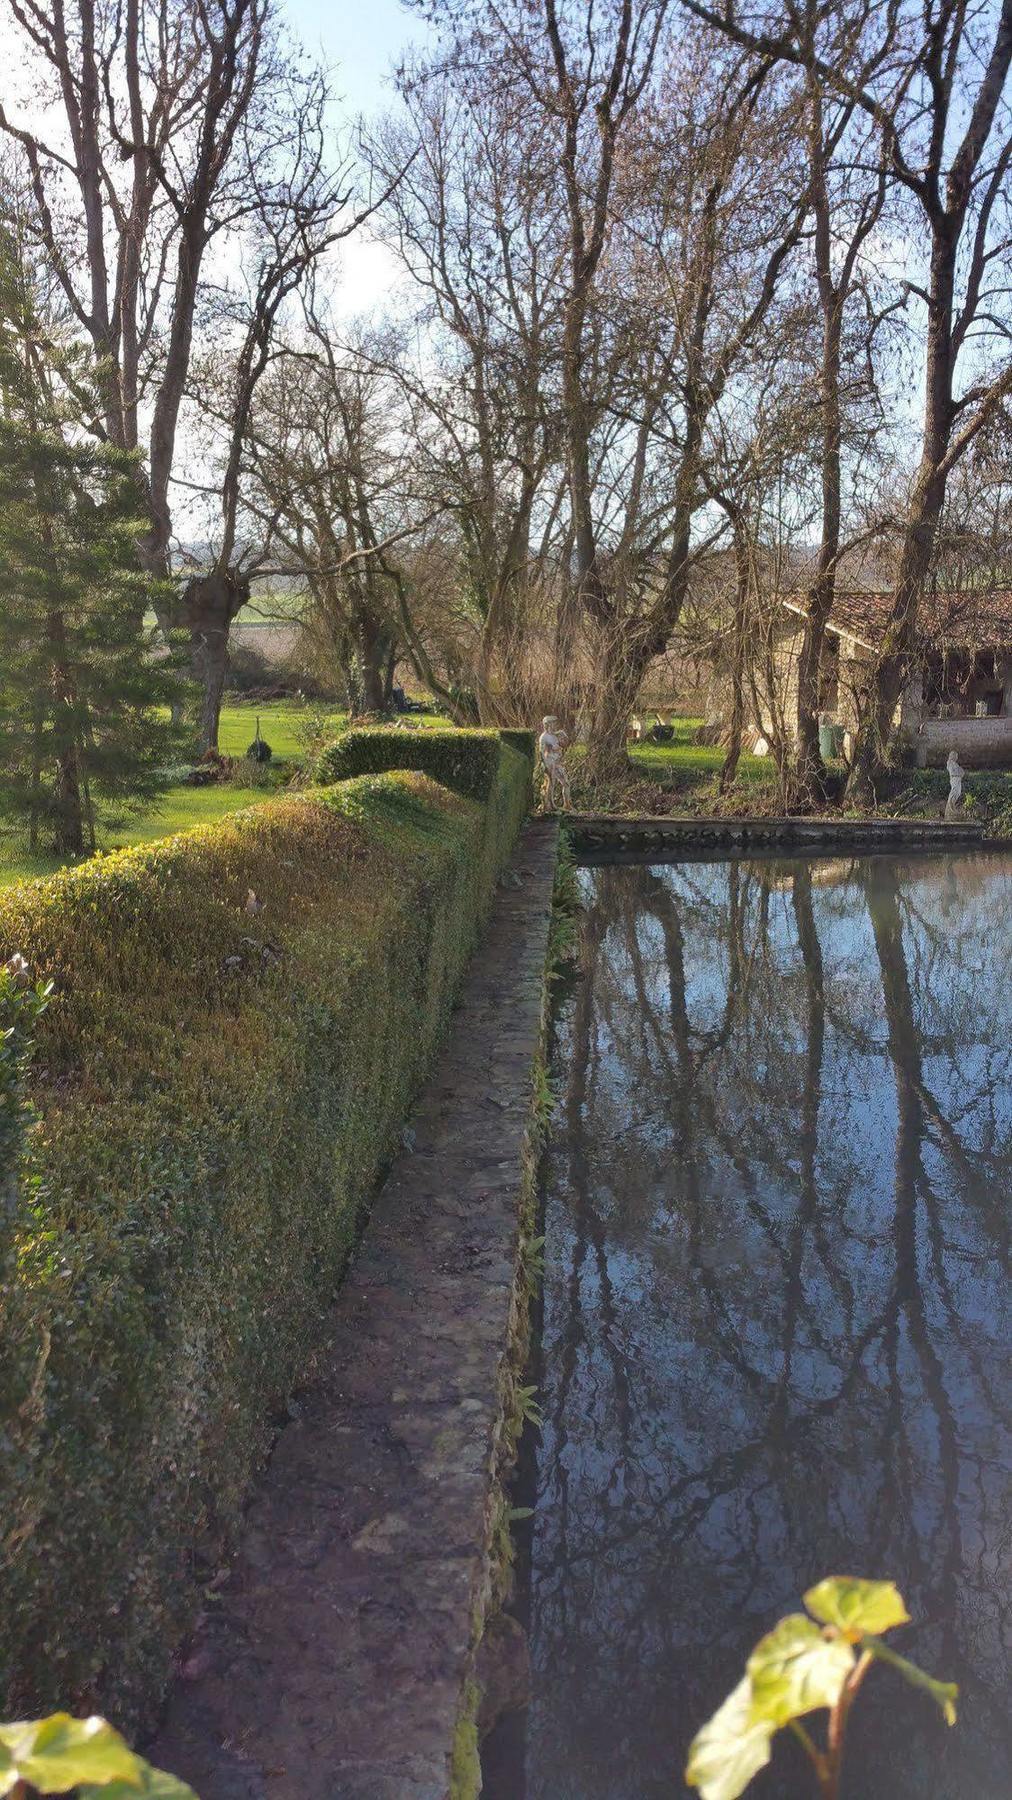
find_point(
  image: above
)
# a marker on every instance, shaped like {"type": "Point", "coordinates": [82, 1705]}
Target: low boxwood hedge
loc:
{"type": "Point", "coordinates": [466, 761]}
{"type": "Point", "coordinates": [524, 741]}
{"type": "Point", "coordinates": [241, 1017]}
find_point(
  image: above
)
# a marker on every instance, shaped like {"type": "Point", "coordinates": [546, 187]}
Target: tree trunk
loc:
{"type": "Point", "coordinates": [153, 557]}
{"type": "Point", "coordinates": [893, 661]}
{"type": "Point", "coordinates": [892, 668]}
{"type": "Point", "coordinates": [68, 816]}
{"type": "Point", "coordinates": [619, 672]}
{"type": "Point", "coordinates": [729, 768]}
{"type": "Point", "coordinates": [807, 786]}
{"type": "Point", "coordinates": [388, 676]}
{"type": "Point", "coordinates": [210, 603]}
{"type": "Point", "coordinates": [373, 647]}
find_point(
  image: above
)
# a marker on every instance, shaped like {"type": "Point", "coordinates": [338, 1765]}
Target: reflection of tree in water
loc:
{"type": "Point", "coordinates": [772, 1307]}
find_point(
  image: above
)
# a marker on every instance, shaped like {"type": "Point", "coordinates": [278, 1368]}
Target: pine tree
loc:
{"type": "Point", "coordinates": [81, 692]}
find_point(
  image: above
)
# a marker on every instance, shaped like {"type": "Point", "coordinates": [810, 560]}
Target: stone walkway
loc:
{"type": "Point", "coordinates": [331, 1664]}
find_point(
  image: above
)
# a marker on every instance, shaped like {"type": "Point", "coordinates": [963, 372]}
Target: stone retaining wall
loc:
{"type": "Point", "coordinates": [339, 1658]}
{"type": "Point", "coordinates": [594, 834]}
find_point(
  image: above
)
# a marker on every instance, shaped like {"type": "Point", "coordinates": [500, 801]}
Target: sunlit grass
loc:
{"type": "Point", "coordinates": [177, 810]}
{"type": "Point", "coordinates": [284, 724]}
{"type": "Point", "coordinates": [683, 757]}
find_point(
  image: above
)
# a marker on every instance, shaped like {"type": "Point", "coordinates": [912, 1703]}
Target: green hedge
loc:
{"type": "Point", "coordinates": [218, 1082]}
{"type": "Point", "coordinates": [466, 761]}
{"type": "Point", "coordinates": [524, 741]}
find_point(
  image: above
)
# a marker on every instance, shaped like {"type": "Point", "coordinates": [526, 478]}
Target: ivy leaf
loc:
{"type": "Point", "coordinates": [857, 1607]}
{"type": "Point", "coordinates": [156, 1784]}
{"type": "Point", "coordinates": [8, 1773]}
{"type": "Point", "coordinates": [730, 1749]}
{"type": "Point", "coordinates": [59, 1753]}
{"type": "Point", "coordinates": [794, 1669]}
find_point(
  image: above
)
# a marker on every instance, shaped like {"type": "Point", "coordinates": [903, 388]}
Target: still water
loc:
{"type": "Point", "coordinates": [774, 1339]}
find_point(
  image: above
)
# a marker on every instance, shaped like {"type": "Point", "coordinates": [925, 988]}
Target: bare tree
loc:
{"type": "Point", "coordinates": [478, 226]}
{"type": "Point", "coordinates": [934, 85]}
{"type": "Point", "coordinates": [848, 191]}
{"type": "Point", "coordinates": [670, 268]}
{"type": "Point", "coordinates": [176, 132]}
{"type": "Point", "coordinates": [332, 484]}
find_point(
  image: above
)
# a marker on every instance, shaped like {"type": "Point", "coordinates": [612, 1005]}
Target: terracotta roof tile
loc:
{"type": "Point", "coordinates": [969, 619]}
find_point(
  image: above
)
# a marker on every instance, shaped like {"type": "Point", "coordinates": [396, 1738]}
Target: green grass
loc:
{"type": "Point", "coordinates": [283, 723]}
{"type": "Point", "coordinates": [698, 762]}
{"type": "Point", "coordinates": [177, 810]}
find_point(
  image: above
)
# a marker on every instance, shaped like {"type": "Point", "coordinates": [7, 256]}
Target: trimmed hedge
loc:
{"type": "Point", "coordinates": [524, 741]}
{"type": "Point", "coordinates": [466, 761]}
{"type": "Point", "coordinates": [242, 1017]}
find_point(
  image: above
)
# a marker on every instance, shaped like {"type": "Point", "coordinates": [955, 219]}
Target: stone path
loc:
{"type": "Point", "coordinates": [331, 1664]}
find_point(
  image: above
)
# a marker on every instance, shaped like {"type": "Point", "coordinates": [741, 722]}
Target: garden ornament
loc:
{"type": "Point", "coordinates": [551, 748]}
{"type": "Point", "coordinates": [954, 804]}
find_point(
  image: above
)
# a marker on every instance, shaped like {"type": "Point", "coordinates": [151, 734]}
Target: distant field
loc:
{"type": "Point", "coordinates": [265, 608]}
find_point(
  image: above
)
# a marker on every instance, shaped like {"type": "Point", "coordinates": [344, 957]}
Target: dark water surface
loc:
{"type": "Point", "coordinates": [775, 1339]}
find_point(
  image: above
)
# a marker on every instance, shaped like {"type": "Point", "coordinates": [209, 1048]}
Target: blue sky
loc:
{"type": "Point", "coordinates": [359, 39]}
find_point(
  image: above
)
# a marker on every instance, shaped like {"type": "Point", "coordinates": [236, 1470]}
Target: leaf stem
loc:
{"type": "Point", "coordinates": [943, 1693]}
{"type": "Point", "coordinates": [838, 1725]}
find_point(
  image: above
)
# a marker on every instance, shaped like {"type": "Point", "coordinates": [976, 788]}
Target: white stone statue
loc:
{"type": "Point", "coordinates": [954, 804]}
{"type": "Point", "coordinates": [551, 749]}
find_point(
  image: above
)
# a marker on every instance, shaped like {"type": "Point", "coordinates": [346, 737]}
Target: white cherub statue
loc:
{"type": "Point", "coordinates": [954, 804]}
{"type": "Point", "coordinates": [551, 749]}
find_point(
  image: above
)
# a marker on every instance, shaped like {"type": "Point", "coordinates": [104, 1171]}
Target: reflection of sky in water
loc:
{"type": "Point", "coordinates": [774, 1321]}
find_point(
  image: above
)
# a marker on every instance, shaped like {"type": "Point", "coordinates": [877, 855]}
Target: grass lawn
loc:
{"type": "Point", "coordinates": [177, 810]}
{"type": "Point", "coordinates": [282, 723]}
{"type": "Point", "coordinates": [694, 763]}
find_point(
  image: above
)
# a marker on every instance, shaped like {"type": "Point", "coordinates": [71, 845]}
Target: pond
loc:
{"type": "Point", "coordinates": [774, 1336]}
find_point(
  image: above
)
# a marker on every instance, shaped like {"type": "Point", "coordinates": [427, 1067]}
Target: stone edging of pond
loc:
{"type": "Point", "coordinates": [346, 1655]}
{"type": "Point", "coordinates": [589, 832]}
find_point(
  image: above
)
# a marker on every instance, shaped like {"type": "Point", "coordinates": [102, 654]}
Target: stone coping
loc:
{"type": "Point", "coordinates": [332, 1662]}
{"type": "Point", "coordinates": [590, 833]}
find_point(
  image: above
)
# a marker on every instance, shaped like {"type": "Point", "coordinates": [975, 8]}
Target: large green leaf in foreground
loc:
{"type": "Point", "coordinates": [795, 1669]}
{"type": "Point", "coordinates": [730, 1749]}
{"type": "Point", "coordinates": [857, 1607]}
{"type": "Point", "coordinates": [57, 1754]}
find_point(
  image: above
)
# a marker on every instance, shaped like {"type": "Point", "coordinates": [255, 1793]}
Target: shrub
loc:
{"type": "Point", "coordinates": [241, 1017]}
{"type": "Point", "coordinates": [524, 741]}
{"type": "Point", "coordinates": [466, 761]}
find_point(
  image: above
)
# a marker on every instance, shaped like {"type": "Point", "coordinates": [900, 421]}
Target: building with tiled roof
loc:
{"type": "Point", "coordinates": [960, 694]}
{"type": "Point", "coordinates": [965, 620]}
